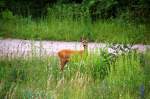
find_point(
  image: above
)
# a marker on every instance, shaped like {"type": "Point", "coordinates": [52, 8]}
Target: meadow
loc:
{"type": "Point", "coordinates": [95, 76]}
{"type": "Point", "coordinates": [70, 26]}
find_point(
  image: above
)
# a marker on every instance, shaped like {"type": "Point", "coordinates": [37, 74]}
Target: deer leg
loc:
{"type": "Point", "coordinates": [63, 63]}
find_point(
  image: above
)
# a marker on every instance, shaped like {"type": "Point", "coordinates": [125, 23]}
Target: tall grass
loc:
{"type": "Point", "coordinates": [94, 76]}
{"type": "Point", "coordinates": [70, 25]}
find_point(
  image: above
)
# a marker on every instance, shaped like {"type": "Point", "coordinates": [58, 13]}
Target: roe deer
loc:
{"type": "Point", "coordinates": [65, 54]}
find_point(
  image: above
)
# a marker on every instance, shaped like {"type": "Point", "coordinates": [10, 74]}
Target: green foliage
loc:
{"type": "Point", "coordinates": [99, 9]}
{"type": "Point", "coordinates": [85, 78]}
{"type": "Point", "coordinates": [71, 21]}
{"type": "Point", "coordinates": [2, 3]}
{"type": "Point", "coordinates": [7, 15]}
{"type": "Point", "coordinates": [145, 63]}
{"type": "Point", "coordinates": [71, 27]}
{"type": "Point", "coordinates": [101, 67]}
{"type": "Point", "coordinates": [103, 9]}
{"type": "Point", "coordinates": [18, 73]}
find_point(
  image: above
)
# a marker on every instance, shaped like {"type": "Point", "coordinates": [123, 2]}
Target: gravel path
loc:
{"type": "Point", "coordinates": [16, 47]}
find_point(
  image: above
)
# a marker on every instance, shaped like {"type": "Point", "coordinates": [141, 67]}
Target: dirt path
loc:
{"type": "Point", "coordinates": [16, 47]}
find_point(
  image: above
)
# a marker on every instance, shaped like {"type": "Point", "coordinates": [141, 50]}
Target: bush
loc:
{"type": "Point", "coordinates": [7, 15]}
{"type": "Point", "coordinates": [101, 67]}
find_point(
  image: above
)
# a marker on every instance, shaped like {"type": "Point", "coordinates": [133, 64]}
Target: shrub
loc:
{"type": "Point", "coordinates": [7, 15]}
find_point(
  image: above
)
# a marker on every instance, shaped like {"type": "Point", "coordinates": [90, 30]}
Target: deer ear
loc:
{"type": "Point", "coordinates": [86, 39]}
{"type": "Point", "coordinates": [81, 39]}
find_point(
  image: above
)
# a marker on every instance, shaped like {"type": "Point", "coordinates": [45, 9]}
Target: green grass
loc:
{"type": "Point", "coordinates": [94, 76]}
{"type": "Point", "coordinates": [56, 26]}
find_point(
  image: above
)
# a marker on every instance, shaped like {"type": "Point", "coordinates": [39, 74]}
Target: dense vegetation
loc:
{"type": "Point", "coordinates": [135, 9]}
{"type": "Point", "coordinates": [122, 21]}
{"type": "Point", "coordinates": [96, 76]}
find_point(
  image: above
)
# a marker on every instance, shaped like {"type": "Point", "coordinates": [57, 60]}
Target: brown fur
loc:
{"type": "Point", "coordinates": [65, 54]}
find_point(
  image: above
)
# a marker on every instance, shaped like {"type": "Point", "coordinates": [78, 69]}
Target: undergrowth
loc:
{"type": "Point", "coordinates": [92, 76]}
{"type": "Point", "coordinates": [65, 25]}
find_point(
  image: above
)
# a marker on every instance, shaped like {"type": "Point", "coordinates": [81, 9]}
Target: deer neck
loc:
{"type": "Point", "coordinates": [85, 49]}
